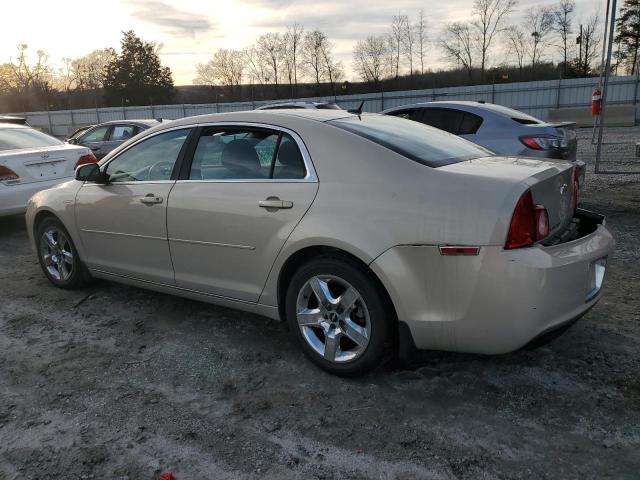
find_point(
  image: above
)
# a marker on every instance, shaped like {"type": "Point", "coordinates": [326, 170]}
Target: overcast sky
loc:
{"type": "Point", "coordinates": [192, 29]}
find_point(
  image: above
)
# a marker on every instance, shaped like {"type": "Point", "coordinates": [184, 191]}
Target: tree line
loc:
{"type": "Point", "coordinates": [491, 46]}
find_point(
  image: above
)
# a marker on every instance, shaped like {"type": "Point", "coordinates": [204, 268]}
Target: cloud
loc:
{"type": "Point", "coordinates": [169, 18]}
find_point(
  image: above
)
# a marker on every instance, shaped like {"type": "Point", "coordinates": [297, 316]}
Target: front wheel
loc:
{"type": "Point", "coordinates": [58, 256]}
{"type": "Point", "coordinates": [339, 316]}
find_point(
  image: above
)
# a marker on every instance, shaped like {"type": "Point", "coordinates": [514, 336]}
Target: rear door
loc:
{"type": "Point", "coordinates": [234, 207]}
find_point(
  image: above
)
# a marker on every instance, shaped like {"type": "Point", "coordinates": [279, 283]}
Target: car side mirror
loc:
{"type": "Point", "coordinates": [73, 141]}
{"type": "Point", "coordinates": [91, 173]}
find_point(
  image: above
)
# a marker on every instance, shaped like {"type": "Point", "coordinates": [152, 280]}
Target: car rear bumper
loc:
{"type": "Point", "coordinates": [497, 301]}
{"type": "Point", "coordinates": [14, 198]}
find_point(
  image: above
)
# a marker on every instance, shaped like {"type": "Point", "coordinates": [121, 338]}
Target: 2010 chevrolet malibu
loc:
{"type": "Point", "coordinates": [367, 233]}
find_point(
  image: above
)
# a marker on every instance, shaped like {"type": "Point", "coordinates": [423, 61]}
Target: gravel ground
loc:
{"type": "Point", "coordinates": [121, 383]}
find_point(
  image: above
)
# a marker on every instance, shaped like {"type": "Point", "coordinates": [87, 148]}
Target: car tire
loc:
{"type": "Point", "coordinates": [349, 330]}
{"type": "Point", "coordinates": [58, 256]}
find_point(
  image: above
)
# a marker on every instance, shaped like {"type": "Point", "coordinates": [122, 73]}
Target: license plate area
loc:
{"type": "Point", "coordinates": [596, 277]}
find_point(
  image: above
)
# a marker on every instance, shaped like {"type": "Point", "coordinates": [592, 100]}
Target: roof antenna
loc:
{"type": "Point", "coordinates": [357, 111]}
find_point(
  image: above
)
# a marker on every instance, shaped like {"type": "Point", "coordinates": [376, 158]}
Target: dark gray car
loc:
{"type": "Point", "coordinates": [500, 129]}
{"type": "Point", "coordinates": [103, 138]}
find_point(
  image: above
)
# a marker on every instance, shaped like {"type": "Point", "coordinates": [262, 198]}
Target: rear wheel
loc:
{"type": "Point", "coordinates": [338, 315]}
{"type": "Point", "coordinates": [58, 256]}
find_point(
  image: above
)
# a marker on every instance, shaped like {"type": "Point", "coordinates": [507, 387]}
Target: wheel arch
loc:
{"type": "Point", "coordinates": [301, 256]}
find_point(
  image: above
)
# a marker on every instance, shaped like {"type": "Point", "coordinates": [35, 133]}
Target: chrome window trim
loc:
{"type": "Point", "coordinates": [310, 177]}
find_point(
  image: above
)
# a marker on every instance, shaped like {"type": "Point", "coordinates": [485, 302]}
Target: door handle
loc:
{"type": "Point", "coordinates": [151, 199]}
{"type": "Point", "coordinates": [274, 203]}
{"type": "Point", "coordinates": [94, 149]}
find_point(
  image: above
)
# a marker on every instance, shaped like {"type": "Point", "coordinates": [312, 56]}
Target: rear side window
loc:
{"type": "Point", "coordinates": [408, 113]}
{"type": "Point", "coordinates": [413, 140]}
{"type": "Point", "coordinates": [442, 118]}
{"type": "Point", "coordinates": [17, 138]}
{"type": "Point", "coordinates": [470, 124]}
{"type": "Point", "coordinates": [121, 133]}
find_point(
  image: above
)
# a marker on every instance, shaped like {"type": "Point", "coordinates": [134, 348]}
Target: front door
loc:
{"type": "Point", "coordinates": [247, 190]}
{"type": "Point", "coordinates": [123, 223]}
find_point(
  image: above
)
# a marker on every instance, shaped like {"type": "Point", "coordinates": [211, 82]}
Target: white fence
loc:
{"type": "Point", "coordinates": [535, 98]}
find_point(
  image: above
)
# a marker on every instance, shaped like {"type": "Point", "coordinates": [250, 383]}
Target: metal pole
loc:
{"type": "Point", "coordinates": [596, 120]}
{"type": "Point", "coordinates": [612, 26]}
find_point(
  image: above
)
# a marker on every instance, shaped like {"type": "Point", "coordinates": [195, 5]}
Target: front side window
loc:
{"type": "Point", "coordinates": [121, 133]}
{"type": "Point", "coordinates": [419, 142]}
{"type": "Point", "coordinates": [238, 153]}
{"type": "Point", "coordinates": [17, 138]}
{"type": "Point", "coordinates": [95, 135]}
{"type": "Point", "coordinates": [152, 159]}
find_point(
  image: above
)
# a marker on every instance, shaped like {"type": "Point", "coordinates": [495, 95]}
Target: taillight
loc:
{"type": "Point", "coordinates": [541, 142]}
{"type": "Point", "coordinates": [529, 223]}
{"type": "Point", "coordinates": [7, 174]}
{"type": "Point", "coordinates": [522, 230]}
{"type": "Point", "coordinates": [542, 222]}
{"type": "Point", "coordinates": [85, 159]}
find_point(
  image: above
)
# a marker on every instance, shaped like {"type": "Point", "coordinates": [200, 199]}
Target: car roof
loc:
{"type": "Point", "coordinates": [469, 106]}
{"type": "Point", "coordinates": [149, 122]}
{"type": "Point", "coordinates": [259, 116]}
{"type": "Point", "coordinates": [309, 105]}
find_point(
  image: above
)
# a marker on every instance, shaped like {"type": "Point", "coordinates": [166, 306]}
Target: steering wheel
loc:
{"type": "Point", "coordinates": [160, 171]}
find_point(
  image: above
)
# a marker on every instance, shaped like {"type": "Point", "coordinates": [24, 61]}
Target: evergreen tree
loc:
{"type": "Point", "coordinates": [628, 35]}
{"type": "Point", "coordinates": [136, 76]}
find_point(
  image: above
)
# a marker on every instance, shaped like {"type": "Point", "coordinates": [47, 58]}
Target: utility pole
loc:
{"type": "Point", "coordinates": [612, 26]}
{"type": "Point", "coordinates": [579, 42]}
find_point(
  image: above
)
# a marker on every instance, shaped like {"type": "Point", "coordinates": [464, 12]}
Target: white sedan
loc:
{"type": "Point", "coordinates": [31, 161]}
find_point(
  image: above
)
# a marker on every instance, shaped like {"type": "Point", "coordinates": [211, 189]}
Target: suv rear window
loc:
{"type": "Point", "coordinates": [421, 143]}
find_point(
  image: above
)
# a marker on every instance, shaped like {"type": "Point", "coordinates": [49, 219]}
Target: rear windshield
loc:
{"type": "Point", "coordinates": [17, 138]}
{"type": "Point", "coordinates": [419, 142]}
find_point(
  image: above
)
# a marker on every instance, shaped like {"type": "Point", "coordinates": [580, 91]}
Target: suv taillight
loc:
{"type": "Point", "coordinates": [541, 142]}
{"type": "Point", "coordinates": [87, 158]}
{"type": "Point", "coordinates": [7, 174]}
{"type": "Point", "coordinates": [529, 223]}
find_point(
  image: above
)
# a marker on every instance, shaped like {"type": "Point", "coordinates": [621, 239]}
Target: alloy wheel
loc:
{"type": "Point", "coordinates": [56, 253]}
{"type": "Point", "coordinates": [333, 318]}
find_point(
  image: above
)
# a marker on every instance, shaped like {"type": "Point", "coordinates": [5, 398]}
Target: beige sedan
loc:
{"type": "Point", "coordinates": [369, 234]}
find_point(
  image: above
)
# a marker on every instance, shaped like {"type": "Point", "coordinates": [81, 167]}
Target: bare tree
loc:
{"type": "Point", "coordinates": [409, 41]}
{"type": "Point", "coordinates": [516, 45]}
{"type": "Point", "coordinates": [255, 64]}
{"type": "Point", "coordinates": [332, 67]}
{"type": "Point", "coordinates": [457, 44]}
{"type": "Point", "coordinates": [225, 68]}
{"type": "Point", "coordinates": [421, 38]}
{"type": "Point", "coordinates": [488, 20]}
{"type": "Point", "coordinates": [396, 39]}
{"type": "Point", "coordinates": [590, 45]}
{"type": "Point", "coordinates": [369, 58]}
{"type": "Point", "coordinates": [271, 47]}
{"type": "Point", "coordinates": [562, 24]}
{"type": "Point", "coordinates": [391, 56]}
{"type": "Point", "coordinates": [539, 22]}
{"type": "Point", "coordinates": [90, 70]}
{"type": "Point", "coordinates": [292, 45]}
{"type": "Point", "coordinates": [29, 76]}
{"type": "Point", "coordinates": [313, 54]}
